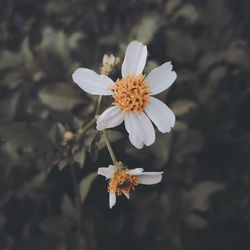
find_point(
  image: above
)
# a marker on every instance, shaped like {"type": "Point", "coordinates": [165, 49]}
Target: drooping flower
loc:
{"type": "Point", "coordinates": [133, 101]}
{"type": "Point", "coordinates": [122, 180]}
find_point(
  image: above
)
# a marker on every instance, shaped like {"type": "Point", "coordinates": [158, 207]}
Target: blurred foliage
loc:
{"type": "Point", "coordinates": [203, 201]}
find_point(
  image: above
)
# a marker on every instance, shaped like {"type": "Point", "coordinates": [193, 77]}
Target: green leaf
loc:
{"type": "Point", "coordinates": [199, 194]}
{"type": "Point", "coordinates": [57, 133]}
{"type": "Point", "coordinates": [180, 46]}
{"type": "Point", "coordinates": [195, 221]}
{"type": "Point", "coordinates": [85, 185]}
{"type": "Point", "coordinates": [61, 96]}
{"type": "Point", "coordinates": [80, 156]}
{"type": "Point", "coordinates": [26, 136]}
{"type": "Point", "coordinates": [63, 163]}
{"type": "Point", "coordinates": [182, 107]}
{"type": "Point", "coordinates": [112, 135]}
{"type": "Point", "coordinates": [94, 148]}
{"type": "Point", "coordinates": [145, 30]}
{"type": "Point", "coordinates": [68, 208]}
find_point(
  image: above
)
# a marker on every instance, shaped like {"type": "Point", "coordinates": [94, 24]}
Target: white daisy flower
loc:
{"type": "Point", "coordinates": [133, 101]}
{"type": "Point", "coordinates": [122, 180]}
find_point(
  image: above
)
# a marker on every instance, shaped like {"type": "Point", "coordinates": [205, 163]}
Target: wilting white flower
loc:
{"type": "Point", "coordinates": [122, 180]}
{"type": "Point", "coordinates": [133, 101]}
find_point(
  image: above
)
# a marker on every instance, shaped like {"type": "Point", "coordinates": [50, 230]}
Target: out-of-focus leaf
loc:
{"type": "Point", "coordinates": [57, 133]}
{"type": "Point", "coordinates": [187, 11]}
{"type": "Point", "coordinates": [171, 5]}
{"type": "Point", "coordinates": [237, 54]}
{"type": "Point", "coordinates": [8, 106]}
{"type": "Point", "coordinates": [113, 136]}
{"type": "Point", "coordinates": [68, 208]}
{"type": "Point", "coordinates": [74, 40]}
{"type": "Point", "coordinates": [85, 185]}
{"type": "Point", "coordinates": [57, 7]}
{"type": "Point", "coordinates": [146, 29]}
{"type": "Point", "coordinates": [192, 141]}
{"type": "Point", "coordinates": [26, 54]}
{"type": "Point", "coordinates": [54, 41]}
{"type": "Point", "coordinates": [77, 124]}
{"type": "Point", "coordinates": [180, 126]}
{"type": "Point", "coordinates": [94, 148]}
{"type": "Point", "coordinates": [13, 79]}
{"type": "Point", "coordinates": [181, 107]}
{"type": "Point", "coordinates": [161, 150]}
{"type": "Point", "coordinates": [26, 136]}
{"type": "Point", "coordinates": [150, 65]}
{"type": "Point", "coordinates": [217, 74]}
{"type": "Point", "coordinates": [80, 156]}
{"type": "Point", "coordinates": [60, 96]}
{"type": "Point", "coordinates": [63, 163]}
{"type": "Point", "coordinates": [195, 221]}
{"type": "Point", "coordinates": [180, 46]}
{"type": "Point", "coordinates": [56, 225]}
{"type": "Point", "coordinates": [208, 60]}
{"type": "Point", "coordinates": [199, 194]}
{"type": "Point", "coordinates": [9, 59]}
{"type": "Point", "coordinates": [30, 187]}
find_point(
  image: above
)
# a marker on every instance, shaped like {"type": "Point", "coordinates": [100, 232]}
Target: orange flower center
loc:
{"type": "Point", "coordinates": [131, 93]}
{"type": "Point", "coordinates": [122, 182]}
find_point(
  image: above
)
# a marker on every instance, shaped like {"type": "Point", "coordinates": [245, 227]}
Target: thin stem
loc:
{"type": "Point", "coordinates": [77, 194]}
{"type": "Point", "coordinates": [109, 147]}
{"type": "Point", "coordinates": [85, 128]}
{"type": "Point", "coordinates": [98, 105]}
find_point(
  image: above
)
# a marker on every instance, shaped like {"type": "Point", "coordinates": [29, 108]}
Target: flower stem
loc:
{"type": "Point", "coordinates": [98, 105]}
{"type": "Point", "coordinates": [85, 128]}
{"type": "Point", "coordinates": [109, 147]}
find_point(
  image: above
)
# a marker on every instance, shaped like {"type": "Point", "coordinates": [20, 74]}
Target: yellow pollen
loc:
{"type": "Point", "coordinates": [131, 93]}
{"type": "Point", "coordinates": [122, 182]}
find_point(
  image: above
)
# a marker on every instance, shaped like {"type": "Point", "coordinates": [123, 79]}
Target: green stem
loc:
{"type": "Point", "coordinates": [109, 147]}
{"type": "Point", "coordinates": [98, 105]}
{"type": "Point", "coordinates": [85, 128]}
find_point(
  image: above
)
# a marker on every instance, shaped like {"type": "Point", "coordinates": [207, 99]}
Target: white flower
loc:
{"type": "Point", "coordinates": [133, 103]}
{"type": "Point", "coordinates": [122, 180]}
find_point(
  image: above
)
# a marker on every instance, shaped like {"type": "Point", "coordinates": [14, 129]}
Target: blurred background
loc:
{"type": "Point", "coordinates": [203, 202]}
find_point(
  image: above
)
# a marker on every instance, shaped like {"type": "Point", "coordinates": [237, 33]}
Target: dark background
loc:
{"type": "Point", "coordinates": [203, 201]}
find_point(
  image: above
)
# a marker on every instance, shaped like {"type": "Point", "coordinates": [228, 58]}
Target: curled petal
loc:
{"type": "Point", "coordinates": [112, 199]}
{"type": "Point", "coordinates": [150, 178]}
{"type": "Point", "coordinates": [135, 59]}
{"type": "Point", "coordinates": [126, 194]}
{"type": "Point", "coordinates": [91, 82]}
{"type": "Point", "coordinates": [136, 171]}
{"type": "Point", "coordinates": [110, 118]}
{"type": "Point", "coordinates": [107, 172]}
{"type": "Point", "coordinates": [161, 78]}
{"type": "Point", "coordinates": [161, 115]}
{"type": "Point", "coordinates": [140, 129]}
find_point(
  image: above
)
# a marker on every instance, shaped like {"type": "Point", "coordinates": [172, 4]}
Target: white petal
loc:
{"type": "Point", "coordinates": [110, 118]}
{"type": "Point", "coordinates": [161, 78]}
{"type": "Point", "coordinates": [149, 178]}
{"type": "Point", "coordinates": [112, 199]}
{"type": "Point", "coordinates": [135, 59]}
{"type": "Point", "coordinates": [161, 115]}
{"type": "Point", "coordinates": [107, 172]}
{"type": "Point", "coordinates": [152, 173]}
{"type": "Point", "coordinates": [140, 129]}
{"type": "Point", "coordinates": [136, 171]}
{"type": "Point", "coordinates": [127, 195]}
{"type": "Point", "coordinates": [91, 82]}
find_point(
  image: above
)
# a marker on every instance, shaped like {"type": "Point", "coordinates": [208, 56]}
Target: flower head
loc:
{"type": "Point", "coordinates": [122, 180]}
{"type": "Point", "coordinates": [133, 101]}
